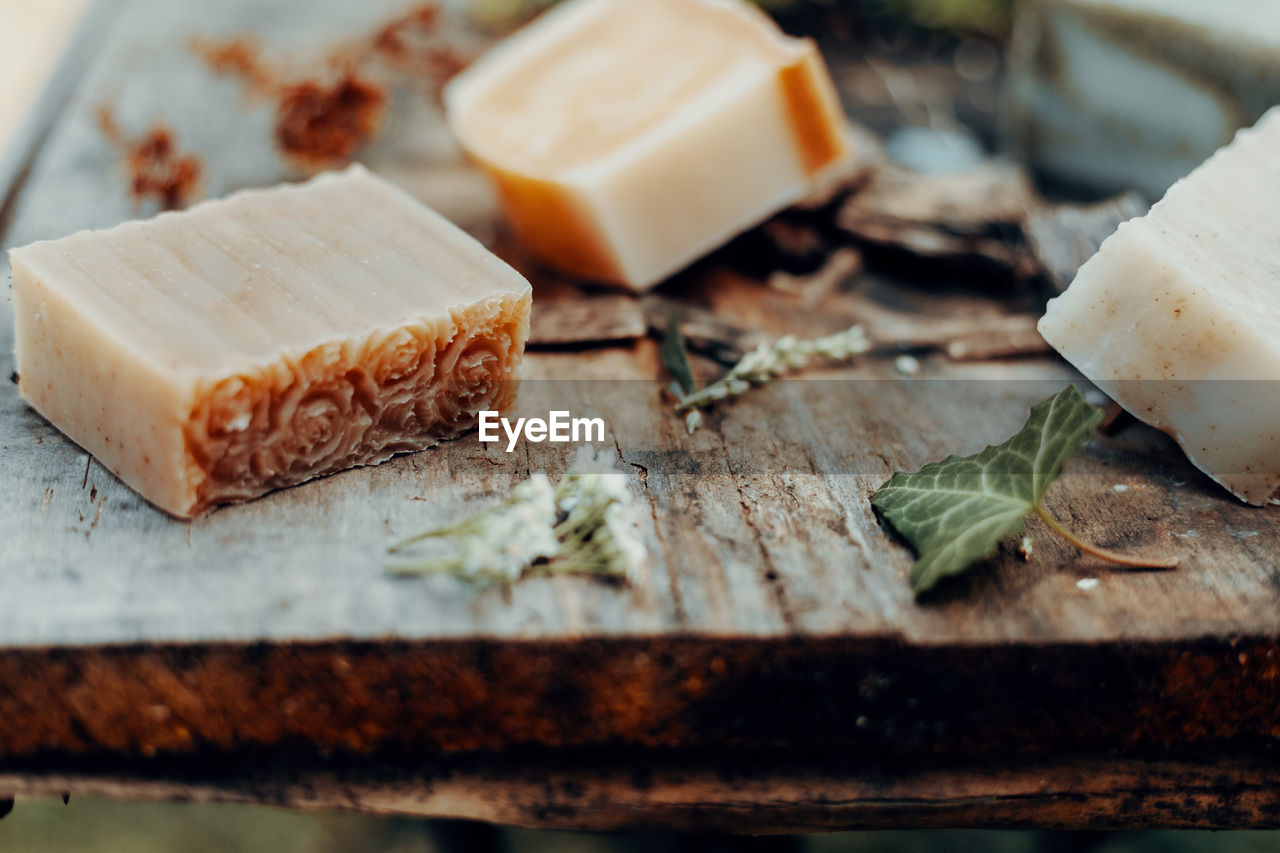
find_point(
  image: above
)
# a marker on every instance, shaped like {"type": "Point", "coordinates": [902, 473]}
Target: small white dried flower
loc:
{"type": "Point", "coordinates": [586, 524]}
{"type": "Point", "coordinates": [588, 460]}
{"type": "Point", "coordinates": [632, 556]}
{"type": "Point", "coordinates": [768, 361]}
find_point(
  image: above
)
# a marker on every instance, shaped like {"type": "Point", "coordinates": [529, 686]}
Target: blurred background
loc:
{"type": "Point", "coordinates": [33, 35]}
{"type": "Point", "coordinates": [970, 33]}
{"type": "Point", "coordinates": [95, 826]}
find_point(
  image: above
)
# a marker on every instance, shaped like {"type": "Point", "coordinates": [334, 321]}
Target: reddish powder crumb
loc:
{"type": "Point", "coordinates": [239, 57]}
{"type": "Point", "coordinates": [396, 37]}
{"type": "Point", "coordinates": [158, 170]}
{"type": "Point", "coordinates": [412, 46]}
{"type": "Point", "coordinates": [319, 124]}
{"type": "Point", "coordinates": [324, 117]}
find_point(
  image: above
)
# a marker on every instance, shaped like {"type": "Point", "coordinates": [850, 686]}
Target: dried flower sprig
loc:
{"type": "Point", "coordinates": [585, 525]}
{"type": "Point", "coordinates": [598, 533]}
{"type": "Point", "coordinates": [768, 361]}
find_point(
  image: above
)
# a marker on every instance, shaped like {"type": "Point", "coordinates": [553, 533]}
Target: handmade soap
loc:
{"type": "Point", "coordinates": [1134, 94]}
{"type": "Point", "coordinates": [626, 139]}
{"type": "Point", "coordinates": [261, 340]}
{"type": "Point", "coordinates": [1178, 315]}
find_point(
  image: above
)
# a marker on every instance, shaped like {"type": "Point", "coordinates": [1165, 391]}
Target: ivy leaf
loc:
{"type": "Point", "coordinates": [955, 512]}
{"type": "Point", "coordinates": [675, 355]}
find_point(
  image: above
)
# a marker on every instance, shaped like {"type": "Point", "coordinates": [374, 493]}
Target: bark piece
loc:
{"type": "Point", "coordinates": [1063, 236]}
{"type": "Point", "coordinates": [585, 320]}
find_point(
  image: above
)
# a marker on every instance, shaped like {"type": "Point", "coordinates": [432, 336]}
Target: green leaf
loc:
{"type": "Point", "coordinates": [675, 356]}
{"type": "Point", "coordinates": [955, 512]}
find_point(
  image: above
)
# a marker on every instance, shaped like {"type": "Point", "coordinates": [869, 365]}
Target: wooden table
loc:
{"type": "Point", "coordinates": [770, 671]}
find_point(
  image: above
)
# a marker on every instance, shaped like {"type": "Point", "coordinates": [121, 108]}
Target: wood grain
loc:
{"type": "Point", "coordinates": [727, 796]}
{"type": "Point", "coordinates": [775, 611]}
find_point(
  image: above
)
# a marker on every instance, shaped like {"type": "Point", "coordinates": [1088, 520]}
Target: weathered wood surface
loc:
{"type": "Point", "coordinates": [775, 611]}
{"type": "Point", "coordinates": [734, 796]}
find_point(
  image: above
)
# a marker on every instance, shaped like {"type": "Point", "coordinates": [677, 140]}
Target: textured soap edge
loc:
{"type": "Point", "coordinates": [354, 402]}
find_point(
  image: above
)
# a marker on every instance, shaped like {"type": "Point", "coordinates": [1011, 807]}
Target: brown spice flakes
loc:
{"type": "Point", "coordinates": [158, 170]}
{"type": "Point", "coordinates": [239, 57]}
{"type": "Point", "coordinates": [320, 124]}
{"type": "Point", "coordinates": [323, 117]}
{"type": "Point", "coordinates": [411, 45]}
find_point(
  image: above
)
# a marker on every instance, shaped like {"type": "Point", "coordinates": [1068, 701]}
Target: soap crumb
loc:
{"type": "Point", "coordinates": [1190, 534]}
{"type": "Point", "coordinates": [323, 123]}
{"type": "Point", "coordinates": [1086, 584]}
{"type": "Point", "coordinates": [907, 365]}
{"type": "Point", "coordinates": [1120, 487]}
{"type": "Point", "coordinates": [158, 170]}
{"type": "Point", "coordinates": [324, 115]}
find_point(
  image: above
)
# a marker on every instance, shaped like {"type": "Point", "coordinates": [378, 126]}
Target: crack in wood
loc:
{"type": "Point", "coordinates": [97, 516]}
{"type": "Point", "coordinates": [769, 575]}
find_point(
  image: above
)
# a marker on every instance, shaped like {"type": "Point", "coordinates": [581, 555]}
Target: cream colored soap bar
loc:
{"type": "Point", "coordinates": [628, 138]}
{"type": "Point", "coordinates": [262, 340]}
{"type": "Point", "coordinates": [1178, 315]}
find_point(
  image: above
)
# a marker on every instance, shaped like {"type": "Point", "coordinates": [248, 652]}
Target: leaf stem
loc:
{"type": "Point", "coordinates": [1103, 553]}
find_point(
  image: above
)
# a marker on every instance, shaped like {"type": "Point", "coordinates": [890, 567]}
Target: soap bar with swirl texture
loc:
{"type": "Point", "coordinates": [261, 340]}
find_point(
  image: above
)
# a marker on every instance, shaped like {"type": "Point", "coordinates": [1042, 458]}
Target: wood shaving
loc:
{"type": "Point", "coordinates": [974, 216]}
{"type": "Point", "coordinates": [586, 320]}
{"type": "Point", "coordinates": [840, 266]}
{"type": "Point", "coordinates": [1063, 236]}
{"type": "Point", "coordinates": [979, 337]}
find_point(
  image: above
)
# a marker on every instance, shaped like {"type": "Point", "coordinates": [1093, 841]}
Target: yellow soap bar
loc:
{"type": "Point", "coordinates": [258, 341]}
{"type": "Point", "coordinates": [628, 138]}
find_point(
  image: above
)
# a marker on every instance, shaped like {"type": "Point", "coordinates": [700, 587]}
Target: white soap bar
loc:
{"type": "Point", "coordinates": [1134, 94]}
{"type": "Point", "coordinates": [1178, 315]}
{"type": "Point", "coordinates": [258, 341]}
{"type": "Point", "coordinates": [628, 138]}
